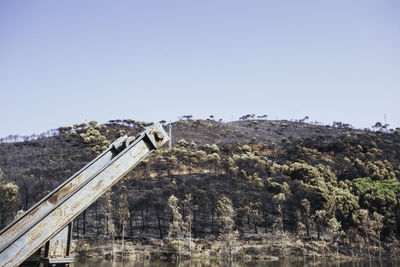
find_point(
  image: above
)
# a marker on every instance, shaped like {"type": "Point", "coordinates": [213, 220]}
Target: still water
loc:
{"type": "Point", "coordinates": [214, 263]}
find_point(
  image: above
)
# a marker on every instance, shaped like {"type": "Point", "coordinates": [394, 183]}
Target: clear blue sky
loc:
{"type": "Point", "coordinates": [63, 62]}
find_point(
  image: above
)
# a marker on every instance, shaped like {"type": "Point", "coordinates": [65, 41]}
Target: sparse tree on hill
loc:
{"type": "Point", "coordinates": [263, 117]}
{"type": "Point", "coordinates": [92, 123]}
{"type": "Point", "coordinates": [279, 199]}
{"type": "Point", "coordinates": [27, 184]}
{"type": "Point", "coordinates": [226, 214]}
{"type": "Point", "coordinates": [378, 126]}
{"type": "Point", "coordinates": [187, 117]}
{"type": "Point", "coordinates": [319, 218]}
{"type": "Point", "coordinates": [372, 227]}
{"type": "Point", "coordinates": [176, 228]}
{"type": "Point", "coordinates": [307, 217]}
{"type": "Point", "coordinates": [300, 227]}
{"type": "Point", "coordinates": [110, 226]}
{"type": "Point", "coordinates": [188, 209]}
{"type": "Point", "coordinates": [252, 212]}
{"type": "Point", "coordinates": [123, 216]}
{"type": "Point", "coordinates": [334, 227]}
{"type": "Point", "coordinates": [9, 199]}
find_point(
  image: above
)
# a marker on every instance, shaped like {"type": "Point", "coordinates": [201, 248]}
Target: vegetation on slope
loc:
{"type": "Point", "coordinates": [233, 180]}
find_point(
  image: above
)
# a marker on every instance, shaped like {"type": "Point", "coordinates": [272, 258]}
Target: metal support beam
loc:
{"type": "Point", "coordinates": [38, 225]}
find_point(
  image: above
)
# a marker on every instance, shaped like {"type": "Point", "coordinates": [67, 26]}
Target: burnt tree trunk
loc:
{"type": "Point", "coordinates": [160, 225]}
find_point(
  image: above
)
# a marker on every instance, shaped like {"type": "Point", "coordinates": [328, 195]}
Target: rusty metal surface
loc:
{"type": "Point", "coordinates": [58, 245]}
{"type": "Point", "coordinates": [31, 217]}
{"type": "Point", "coordinates": [78, 195]}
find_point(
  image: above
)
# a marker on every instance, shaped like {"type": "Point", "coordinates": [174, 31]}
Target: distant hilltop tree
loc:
{"type": "Point", "coordinates": [380, 127]}
{"type": "Point", "coordinates": [306, 118]}
{"type": "Point", "coordinates": [252, 117]}
{"type": "Point", "coordinates": [340, 125]}
{"type": "Point", "coordinates": [245, 117]}
{"type": "Point", "coordinates": [187, 117]}
{"type": "Point", "coordinates": [126, 122]}
{"type": "Point", "coordinates": [64, 129]}
{"type": "Point", "coordinates": [248, 116]}
{"type": "Point", "coordinates": [265, 116]}
{"type": "Point", "coordinates": [92, 123]}
{"type": "Point", "coordinates": [79, 125]}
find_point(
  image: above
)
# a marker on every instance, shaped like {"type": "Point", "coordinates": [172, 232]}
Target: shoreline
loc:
{"type": "Point", "coordinates": [264, 250]}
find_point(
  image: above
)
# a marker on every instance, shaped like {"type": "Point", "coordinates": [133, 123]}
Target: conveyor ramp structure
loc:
{"type": "Point", "coordinates": [48, 223]}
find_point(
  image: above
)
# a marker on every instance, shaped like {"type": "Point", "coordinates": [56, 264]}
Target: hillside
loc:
{"type": "Point", "coordinates": [283, 177]}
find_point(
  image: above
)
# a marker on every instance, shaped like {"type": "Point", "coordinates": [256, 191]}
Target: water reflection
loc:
{"type": "Point", "coordinates": [214, 263]}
